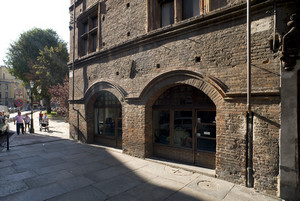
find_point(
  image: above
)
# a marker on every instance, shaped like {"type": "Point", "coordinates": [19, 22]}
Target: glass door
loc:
{"type": "Point", "coordinates": [183, 129]}
{"type": "Point", "coordinates": [206, 131]}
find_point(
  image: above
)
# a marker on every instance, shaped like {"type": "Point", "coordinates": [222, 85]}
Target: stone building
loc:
{"type": "Point", "coordinates": [168, 78]}
{"type": "Point", "coordinates": [11, 89]}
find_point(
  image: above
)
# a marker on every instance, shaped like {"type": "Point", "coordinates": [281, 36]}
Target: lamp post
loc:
{"type": "Point", "coordinates": [31, 130]}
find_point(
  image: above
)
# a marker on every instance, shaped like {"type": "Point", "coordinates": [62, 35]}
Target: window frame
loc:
{"type": "Point", "coordinates": [88, 26]}
{"type": "Point", "coordinates": [106, 101]}
{"type": "Point", "coordinates": [192, 7]}
{"type": "Point", "coordinates": [154, 11]}
{"type": "Point", "coordinates": [171, 17]}
{"type": "Point", "coordinates": [174, 106]}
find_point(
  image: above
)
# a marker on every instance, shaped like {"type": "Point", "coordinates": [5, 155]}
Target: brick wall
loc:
{"type": "Point", "coordinates": [139, 68]}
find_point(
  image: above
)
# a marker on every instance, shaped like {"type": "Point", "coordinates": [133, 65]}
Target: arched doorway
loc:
{"type": "Point", "coordinates": [184, 126]}
{"type": "Point", "coordinates": [108, 120]}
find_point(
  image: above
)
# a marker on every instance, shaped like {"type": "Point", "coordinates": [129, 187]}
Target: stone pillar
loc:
{"type": "Point", "coordinates": [134, 130]}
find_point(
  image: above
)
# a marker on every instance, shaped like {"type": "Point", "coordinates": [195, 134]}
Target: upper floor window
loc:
{"type": "Point", "coordinates": [215, 4]}
{"type": "Point", "coordinates": [166, 12]}
{"type": "Point", "coordinates": [88, 31]}
{"type": "Point", "coordinates": [190, 8]}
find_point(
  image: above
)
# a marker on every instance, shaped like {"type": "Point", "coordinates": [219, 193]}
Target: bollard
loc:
{"type": "Point", "coordinates": [7, 141]}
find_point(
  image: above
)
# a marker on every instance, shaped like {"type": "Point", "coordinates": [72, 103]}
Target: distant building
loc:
{"type": "Point", "coordinates": [168, 78]}
{"type": "Point", "coordinates": [11, 89]}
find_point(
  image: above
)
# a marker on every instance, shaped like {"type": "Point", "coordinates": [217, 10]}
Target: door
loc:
{"type": "Point", "coordinates": [183, 129]}
{"type": "Point", "coordinates": [184, 126]}
{"type": "Point", "coordinates": [108, 120]}
{"type": "Point", "coordinates": [205, 137]}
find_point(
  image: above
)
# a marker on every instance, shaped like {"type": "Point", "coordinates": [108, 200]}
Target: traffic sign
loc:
{"type": "Point", "coordinates": [18, 103]}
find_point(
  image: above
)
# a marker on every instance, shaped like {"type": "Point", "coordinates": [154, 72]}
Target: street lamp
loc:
{"type": "Point", "coordinates": [31, 130]}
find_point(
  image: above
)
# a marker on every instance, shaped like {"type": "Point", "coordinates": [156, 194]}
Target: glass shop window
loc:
{"type": "Point", "coordinates": [161, 121]}
{"type": "Point", "coordinates": [108, 116]}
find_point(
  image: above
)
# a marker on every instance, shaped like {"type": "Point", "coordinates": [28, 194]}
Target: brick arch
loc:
{"type": "Point", "coordinates": [211, 86]}
{"type": "Point", "coordinates": [104, 85]}
{"type": "Point", "coordinates": [90, 97]}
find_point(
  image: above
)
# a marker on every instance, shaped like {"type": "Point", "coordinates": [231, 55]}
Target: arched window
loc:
{"type": "Point", "coordinates": [108, 116]}
{"type": "Point", "coordinates": [185, 117]}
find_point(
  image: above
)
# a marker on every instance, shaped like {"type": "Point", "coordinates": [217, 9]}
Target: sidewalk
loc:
{"type": "Point", "coordinates": [49, 166]}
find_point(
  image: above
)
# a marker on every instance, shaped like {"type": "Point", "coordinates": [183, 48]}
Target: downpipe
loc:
{"type": "Point", "coordinates": [73, 68]}
{"type": "Point", "coordinates": [249, 116]}
{"type": "Point", "coordinates": [249, 151]}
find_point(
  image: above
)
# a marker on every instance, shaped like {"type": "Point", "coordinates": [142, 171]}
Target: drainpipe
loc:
{"type": "Point", "coordinates": [73, 55]}
{"type": "Point", "coordinates": [249, 136]}
{"type": "Point", "coordinates": [73, 68]}
{"type": "Point", "coordinates": [275, 24]}
{"type": "Point", "coordinates": [248, 56]}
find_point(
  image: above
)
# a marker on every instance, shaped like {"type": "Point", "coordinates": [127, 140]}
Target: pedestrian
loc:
{"type": "Point", "coordinates": [27, 122]}
{"type": "Point", "coordinates": [45, 118]}
{"type": "Point", "coordinates": [19, 118]}
{"type": "Point", "coordinates": [40, 116]}
{"type": "Point", "coordinates": [45, 121]}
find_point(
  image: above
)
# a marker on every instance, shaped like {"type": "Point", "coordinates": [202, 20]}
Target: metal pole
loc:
{"type": "Point", "coordinates": [7, 140]}
{"type": "Point", "coordinates": [248, 56]}
{"type": "Point", "coordinates": [73, 54]}
{"type": "Point", "coordinates": [275, 25]}
{"type": "Point", "coordinates": [249, 151]}
{"type": "Point", "coordinates": [73, 68]}
{"type": "Point", "coordinates": [31, 124]}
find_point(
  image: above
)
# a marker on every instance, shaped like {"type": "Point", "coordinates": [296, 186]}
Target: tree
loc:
{"type": "Point", "coordinates": [50, 67]}
{"type": "Point", "coordinates": [39, 55]}
{"type": "Point", "coordinates": [60, 95]}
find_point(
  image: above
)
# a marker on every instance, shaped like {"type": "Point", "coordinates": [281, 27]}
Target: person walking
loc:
{"type": "Point", "coordinates": [40, 116]}
{"type": "Point", "coordinates": [19, 118]}
{"type": "Point", "coordinates": [45, 121]}
{"type": "Point", "coordinates": [27, 122]}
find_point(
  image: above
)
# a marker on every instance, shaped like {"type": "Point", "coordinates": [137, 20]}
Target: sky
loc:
{"type": "Point", "coordinates": [19, 16]}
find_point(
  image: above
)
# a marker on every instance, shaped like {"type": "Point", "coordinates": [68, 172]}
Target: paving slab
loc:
{"type": "Point", "coordinates": [88, 193]}
{"type": "Point", "coordinates": [36, 194]}
{"type": "Point", "coordinates": [238, 193]}
{"type": "Point", "coordinates": [17, 177]}
{"type": "Point", "coordinates": [118, 185]}
{"type": "Point", "coordinates": [211, 187]}
{"type": "Point", "coordinates": [12, 187]}
{"type": "Point", "coordinates": [49, 166]}
{"type": "Point", "coordinates": [49, 178]}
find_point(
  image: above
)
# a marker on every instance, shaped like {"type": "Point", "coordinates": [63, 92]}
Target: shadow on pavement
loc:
{"type": "Point", "coordinates": [51, 168]}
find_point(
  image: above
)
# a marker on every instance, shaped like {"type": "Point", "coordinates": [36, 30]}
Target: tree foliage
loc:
{"type": "Point", "coordinates": [60, 95]}
{"type": "Point", "coordinates": [39, 55]}
{"type": "Point", "coordinates": [50, 67]}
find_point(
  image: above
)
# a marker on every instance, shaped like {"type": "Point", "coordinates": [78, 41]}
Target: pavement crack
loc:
{"type": "Point", "coordinates": [228, 191]}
